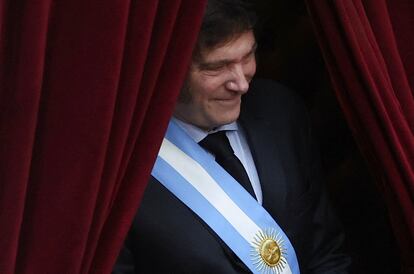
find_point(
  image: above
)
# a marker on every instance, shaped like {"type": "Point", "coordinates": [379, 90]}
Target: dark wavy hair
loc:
{"type": "Point", "coordinates": [223, 21]}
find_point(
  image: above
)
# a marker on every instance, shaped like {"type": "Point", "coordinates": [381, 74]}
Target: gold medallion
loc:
{"type": "Point", "coordinates": [269, 253]}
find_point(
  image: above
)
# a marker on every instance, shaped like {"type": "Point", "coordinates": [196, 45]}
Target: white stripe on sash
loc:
{"type": "Point", "coordinates": [196, 175]}
{"type": "Point", "coordinates": [199, 178]}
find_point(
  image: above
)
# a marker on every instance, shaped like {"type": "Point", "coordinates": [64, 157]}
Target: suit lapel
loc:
{"type": "Point", "coordinates": [267, 161]}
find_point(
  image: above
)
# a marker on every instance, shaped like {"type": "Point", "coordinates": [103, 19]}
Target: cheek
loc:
{"type": "Point", "coordinates": [251, 68]}
{"type": "Point", "coordinates": [209, 85]}
{"type": "Point", "coordinates": [200, 94]}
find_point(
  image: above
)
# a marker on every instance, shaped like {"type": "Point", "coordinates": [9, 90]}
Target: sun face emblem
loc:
{"type": "Point", "coordinates": [269, 253]}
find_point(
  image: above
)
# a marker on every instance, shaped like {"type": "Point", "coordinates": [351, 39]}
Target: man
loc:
{"type": "Point", "coordinates": [199, 213]}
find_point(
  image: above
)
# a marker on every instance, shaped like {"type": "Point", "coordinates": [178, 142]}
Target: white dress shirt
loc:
{"type": "Point", "coordinates": [238, 143]}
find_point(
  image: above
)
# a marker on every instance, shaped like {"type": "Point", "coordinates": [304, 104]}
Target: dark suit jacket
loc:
{"type": "Point", "coordinates": [167, 237]}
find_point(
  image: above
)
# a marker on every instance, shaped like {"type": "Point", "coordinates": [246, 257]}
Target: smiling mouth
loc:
{"type": "Point", "coordinates": [229, 102]}
{"type": "Point", "coordinates": [232, 99]}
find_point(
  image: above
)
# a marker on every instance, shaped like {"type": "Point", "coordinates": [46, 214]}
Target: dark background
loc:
{"type": "Point", "coordinates": [288, 52]}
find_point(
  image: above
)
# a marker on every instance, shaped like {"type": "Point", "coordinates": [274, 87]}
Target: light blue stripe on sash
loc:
{"type": "Point", "coordinates": [192, 198]}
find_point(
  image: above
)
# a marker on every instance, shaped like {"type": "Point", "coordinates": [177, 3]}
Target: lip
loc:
{"type": "Point", "coordinates": [229, 101]}
{"type": "Point", "coordinates": [235, 98]}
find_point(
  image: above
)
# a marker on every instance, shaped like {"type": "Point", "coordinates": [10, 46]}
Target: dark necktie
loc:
{"type": "Point", "coordinates": [218, 144]}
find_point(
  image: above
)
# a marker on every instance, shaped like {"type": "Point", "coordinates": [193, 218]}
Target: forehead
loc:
{"type": "Point", "coordinates": [235, 49]}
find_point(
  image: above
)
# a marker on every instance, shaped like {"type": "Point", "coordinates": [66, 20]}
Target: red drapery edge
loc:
{"type": "Point", "coordinates": [87, 89]}
{"type": "Point", "coordinates": [363, 59]}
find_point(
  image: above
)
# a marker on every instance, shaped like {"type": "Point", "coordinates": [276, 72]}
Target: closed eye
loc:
{"type": "Point", "coordinates": [213, 66]}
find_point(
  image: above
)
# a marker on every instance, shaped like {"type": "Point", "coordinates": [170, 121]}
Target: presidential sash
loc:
{"type": "Point", "coordinates": [186, 170]}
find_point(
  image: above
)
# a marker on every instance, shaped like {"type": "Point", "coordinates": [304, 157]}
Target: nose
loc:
{"type": "Point", "coordinates": [238, 81]}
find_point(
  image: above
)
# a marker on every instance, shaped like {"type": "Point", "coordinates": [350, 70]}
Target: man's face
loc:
{"type": "Point", "coordinates": [212, 93]}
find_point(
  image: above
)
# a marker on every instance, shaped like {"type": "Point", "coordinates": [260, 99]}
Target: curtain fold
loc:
{"type": "Point", "coordinates": [86, 92]}
{"type": "Point", "coordinates": [21, 76]}
{"type": "Point", "coordinates": [360, 41]}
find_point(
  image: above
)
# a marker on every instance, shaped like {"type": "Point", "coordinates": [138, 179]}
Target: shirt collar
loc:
{"type": "Point", "coordinates": [198, 134]}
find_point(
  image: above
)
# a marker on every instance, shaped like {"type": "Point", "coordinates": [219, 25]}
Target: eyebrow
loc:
{"type": "Point", "coordinates": [223, 62]}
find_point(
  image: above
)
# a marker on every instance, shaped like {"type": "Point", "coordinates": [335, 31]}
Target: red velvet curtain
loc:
{"type": "Point", "coordinates": [368, 48]}
{"type": "Point", "coordinates": [86, 92]}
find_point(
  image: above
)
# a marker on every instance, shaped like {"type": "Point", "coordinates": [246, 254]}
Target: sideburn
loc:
{"type": "Point", "coordinates": [185, 95]}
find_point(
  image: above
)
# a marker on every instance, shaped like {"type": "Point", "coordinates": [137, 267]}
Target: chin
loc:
{"type": "Point", "coordinates": [220, 117]}
{"type": "Point", "coordinates": [228, 119]}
